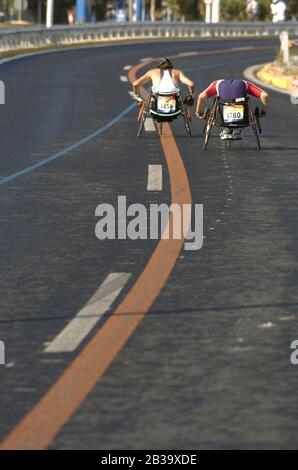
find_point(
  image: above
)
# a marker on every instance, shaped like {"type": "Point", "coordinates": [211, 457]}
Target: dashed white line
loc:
{"type": "Point", "coordinates": [243, 48]}
{"type": "Point", "coordinates": [9, 365]}
{"type": "Point", "coordinates": [149, 125]}
{"type": "Point", "coordinates": [123, 78]}
{"type": "Point", "coordinates": [154, 178]}
{"type": "Point", "coordinates": [127, 67]}
{"type": "Point", "coordinates": [72, 335]}
{"type": "Point", "coordinates": [187, 54]}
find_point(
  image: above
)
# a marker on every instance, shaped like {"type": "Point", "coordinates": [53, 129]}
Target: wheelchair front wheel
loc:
{"type": "Point", "coordinates": [143, 114]}
{"type": "Point", "coordinates": [187, 119]}
{"type": "Point", "coordinates": [208, 130]}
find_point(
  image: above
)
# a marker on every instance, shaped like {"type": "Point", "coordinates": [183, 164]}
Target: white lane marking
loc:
{"type": "Point", "coordinates": [154, 178]}
{"type": "Point", "coordinates": [146, 59]}
{"type": "Point", "coordinates": [149, 125]}
{"type": "Point", "coordinates": [9, 365]}
{"type": "Point", "coordinates": [123, 78]}
{"type": "Point", "coordinates": [72, 335]}
{"type": "Point", "coordinates": [127, 67]}
{"type": "Point", "coordinates": [243, 48]}
{"type": "Point", "coordinates": [187, 54]}
{"type": "Point", "coordinates": [131, 94]}
{"type": "Point", "coordinates": [52, 360]}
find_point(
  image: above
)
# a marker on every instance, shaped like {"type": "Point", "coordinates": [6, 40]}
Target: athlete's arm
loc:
{"type": "Point", "coordinates": [201, 101]}
{"type": "Point", "coordinates": [258, 93]}
{"type": "Point", "coordinates": [186, 81]}
{"type": "Point", "coordinates": [141, 81]}
{"type": "Point", "coordinates": [264, 98]}
{"type": "Point", "coordinates": [208, 93]}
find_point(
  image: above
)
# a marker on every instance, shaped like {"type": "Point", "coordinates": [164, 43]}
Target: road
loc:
{"type": "Point", "coordinates": [202, 360]}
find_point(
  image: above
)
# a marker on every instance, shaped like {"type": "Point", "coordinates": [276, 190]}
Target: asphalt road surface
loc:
{"type": "Point", "coordinates": [204, 363]}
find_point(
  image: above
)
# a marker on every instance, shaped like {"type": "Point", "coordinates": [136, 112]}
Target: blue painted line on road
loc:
{"type": "Point", "coordinates": [68, 149]}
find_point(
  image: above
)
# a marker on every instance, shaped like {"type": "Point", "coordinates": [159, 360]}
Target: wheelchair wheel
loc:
{"type": "Point", "coordinates": [187, 118]}
{"type": "Point", "coordinates": [208, 132]}
{"type": "Point", "coordinates": [143, 114]}
{"type": "Point", "coordinates": [256, 115]}
{"type": "Point", "coordinates": [255, 130]}
{"type": "Point", "coordinates": [209, 124]}
{"type": "Point", "coordinates": [259, 125]}
{"type": "Point", "coordinates": [206, 121]}
{"type": "Point", "coordinates": [160, 128]}
{"type": "Point", "coordinates": [254, 125]}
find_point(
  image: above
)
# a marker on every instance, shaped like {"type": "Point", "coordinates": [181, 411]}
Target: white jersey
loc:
{"type": "Point", "coordinates": [166, 84]}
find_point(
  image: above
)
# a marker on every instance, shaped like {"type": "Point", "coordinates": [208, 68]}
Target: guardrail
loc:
{"type": "Point", "coordinates": [59, 36]}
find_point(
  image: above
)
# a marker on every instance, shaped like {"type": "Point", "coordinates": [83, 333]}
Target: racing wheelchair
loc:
{"type": "Point", "coordinates": [232, 114]}
{"type": "Point", "coordinates": [164, 107]}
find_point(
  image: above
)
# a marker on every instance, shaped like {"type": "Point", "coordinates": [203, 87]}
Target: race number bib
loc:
{"type": "Point", "coordinates": [233, 113]}
{"type": "Point", "coordinates": [166, 104]}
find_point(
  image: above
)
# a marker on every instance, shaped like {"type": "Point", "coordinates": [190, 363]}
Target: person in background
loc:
{"type": "Point", "coordinates": [93, 16]}
{"type": "Point", "coordinates": [278, 11]}
{"type": "Point", "coordinates": [71, 16]}
{"type": "Point", "coordinates": [252, 9]}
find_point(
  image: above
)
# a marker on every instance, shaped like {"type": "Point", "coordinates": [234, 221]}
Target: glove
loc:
{"type": "Point", "coordinates": [138, 98]}
{"type": "Point", "coordinates": [189, 100]}
{"type": "Point", "coordinates": [260, 112]}
{"type": "Point", "coordinates": [203, 115]}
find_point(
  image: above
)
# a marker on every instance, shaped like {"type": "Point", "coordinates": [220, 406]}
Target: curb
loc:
{"type": "Point", "coordinates": [251, 73]}
{"type": "Point", "coordinates": [264, 75]}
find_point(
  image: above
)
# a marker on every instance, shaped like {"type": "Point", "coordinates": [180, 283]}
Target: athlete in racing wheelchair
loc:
{"type": "Point", "coordinates": [231, 109]}
{"type": "Point", "coordinates": [164, 102]}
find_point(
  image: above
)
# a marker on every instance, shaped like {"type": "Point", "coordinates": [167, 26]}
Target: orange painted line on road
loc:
{"type": "Point", "coordinates": [39, 427]}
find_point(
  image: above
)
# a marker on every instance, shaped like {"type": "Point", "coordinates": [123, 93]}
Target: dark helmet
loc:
{"type": "Point", "coordinates": [165, 64]}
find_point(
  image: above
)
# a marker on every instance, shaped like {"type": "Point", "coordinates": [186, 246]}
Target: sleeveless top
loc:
{"type": "Point", "coordinates": [166, 84]}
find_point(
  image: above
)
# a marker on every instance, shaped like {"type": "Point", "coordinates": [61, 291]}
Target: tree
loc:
{"type": "Point", "coordinates": [265, 11]}
{"type": "Point", "coordinates": [101, 9]}
{"type": "Point", "coordinates": [7, 6]}
{"type": "Point", "coordinates": [293, 8]}
{"type": "Point", "coordinates": [189, 9]}
{"type": "Point", "coordinates": [236, 9]}
{"type": "Point", "coordinates": [233, 10]}
{"type": "Point", "coordinates": [60, 10]}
